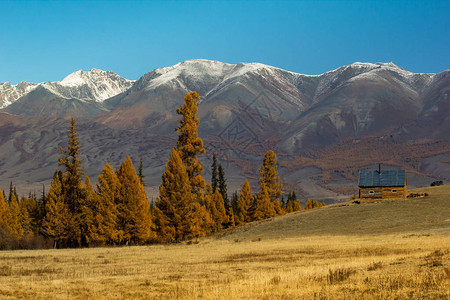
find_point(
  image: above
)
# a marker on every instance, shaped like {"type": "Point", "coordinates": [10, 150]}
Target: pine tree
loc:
{"type": "Point", "coordinates": [189, 144]}
{"type": "Point", "coordinates": [214, 175]}
{"type": "Point", "coordinates": [269, 177]}
{"type": "Point", "coordinates": [11, 191]}
{"type": "Point", "coordinates": [72, 187]}
{"type": "Point", "coordinates": [310, 204]}
{"type": "Point", "coordinates": [174, 199]}
{"type": "Point", "coordinates": [222, 185]}
{"type": "Point", "coordinates": [108, 188]}
{"type": "Point", "coordinates": [140, 171]}
{"type": "Point", "coordinates": [133, 218]}
{"type": "Point", "coordinates": [234, 200]}
{"type": "Point", "coordinates": [72, 181]}
{"type": "Point", "coordinates": [244, 204]}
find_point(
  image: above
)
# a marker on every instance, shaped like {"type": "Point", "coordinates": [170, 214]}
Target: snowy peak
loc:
{"type": "Point", "coordinates": [93, 85]}
{"type": "Point", "coordinates": [10, 93]}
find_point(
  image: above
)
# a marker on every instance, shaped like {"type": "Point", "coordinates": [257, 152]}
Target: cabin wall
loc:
{"type": "Point", "coordinates": [394, 192]}
{"type": "Point", "coordinates": [378, 193]}
{"type": "Point", "coordinates": [370, 193]}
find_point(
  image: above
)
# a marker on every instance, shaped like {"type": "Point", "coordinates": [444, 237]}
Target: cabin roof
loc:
{"type": "Point", "coordinates": [369, 178]}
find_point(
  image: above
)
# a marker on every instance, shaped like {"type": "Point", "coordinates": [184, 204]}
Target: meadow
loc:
{"type": "Point", "coordinates": [396, 249]}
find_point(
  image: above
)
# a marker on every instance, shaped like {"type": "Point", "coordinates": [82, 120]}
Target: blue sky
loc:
{"type": "Point", "coordinates": [47, 40]}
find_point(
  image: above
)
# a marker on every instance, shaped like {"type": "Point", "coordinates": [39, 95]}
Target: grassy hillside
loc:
{"type": "Point", "coordinates": [416, 215]}
{"type": "Point", "coordinates": [386, 250]}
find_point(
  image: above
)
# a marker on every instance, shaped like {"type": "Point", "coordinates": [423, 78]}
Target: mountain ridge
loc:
{"type": "Point", "coordinates": [382, 108]}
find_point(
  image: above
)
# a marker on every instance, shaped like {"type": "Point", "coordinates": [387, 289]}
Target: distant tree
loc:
{"type": "Point", "coordinates": [214, 174]}
{"type": "Point", "coordinates": [189, 144]}
{"type": "Point", "coordinates": [292, 203]}
{"type": "Point", "coordinates": [133, 206]}
{"type": "Point", "coordinates": [222, 185]}
{"type": "Point", "coordinates": [310, 204]}
{"type": "Point", "coordinates": [244, 204]}
{"type": "Point", "coordinates": [140, 171]}
{"type": "Point", "coordinates": [437, 183]}
{"type": "Point", "coordinates": [11, 191]}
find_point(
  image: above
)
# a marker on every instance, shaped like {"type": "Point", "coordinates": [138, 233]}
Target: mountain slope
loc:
{"type": "Point", "coordinates": [324, 127]}
{"type": "Point", "coordinates": [79, 94]}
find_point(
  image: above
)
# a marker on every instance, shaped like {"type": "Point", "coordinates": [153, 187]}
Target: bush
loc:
{"type": "Point", "coordinates": [437, 183]}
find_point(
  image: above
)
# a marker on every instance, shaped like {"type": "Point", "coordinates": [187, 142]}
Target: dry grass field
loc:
{"type": "Point", "coordinates": [385, 250]}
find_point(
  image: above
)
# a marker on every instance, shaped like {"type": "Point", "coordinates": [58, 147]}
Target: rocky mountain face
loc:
{"type": "Point", "coordinates": [324, 128]}
{"type": "Point", "coordinates": [78, 94]}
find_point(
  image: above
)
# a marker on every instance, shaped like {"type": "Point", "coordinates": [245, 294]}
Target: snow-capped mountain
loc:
{"type": "Point", "coordinates": [246, 109]}
{"type": "Point", "coordinates": [94, 85]}
{"type": "Point", "coordinates": [10, 93]}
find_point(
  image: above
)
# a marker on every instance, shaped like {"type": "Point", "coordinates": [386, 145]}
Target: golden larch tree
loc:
{"type": "Point", "coordinates": [108, 188]}
{"type": "Point", "coordinates": [269, 177]}
{"type": "Point", "coordinates": [57, 220]}
{"type": "Point", "coordinates": [133, 207]}
{"type": "Point", "coordinates": [3, 211]}
{"type": "Point", "coordinates": [189, 144]}
{"type": "Point", "coordinates": [173, 204]}
{"type": "Point", "coordinates": [244, 204]}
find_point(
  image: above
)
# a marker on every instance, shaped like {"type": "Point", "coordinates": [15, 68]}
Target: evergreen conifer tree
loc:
{"type": "Point", "coordinates": [214, 174]}
{"type": "Point", "coordinates": [72, 185]}
{"type": "Point", "coordinates": [222, 185]}
{"type": "Point", "coordinates": [140, 171]}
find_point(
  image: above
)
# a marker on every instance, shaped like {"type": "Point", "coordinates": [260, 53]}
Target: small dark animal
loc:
{"type": "Point", "coordinates": [356, 202]}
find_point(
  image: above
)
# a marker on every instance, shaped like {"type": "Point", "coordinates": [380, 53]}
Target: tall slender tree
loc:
{"type": "Point", "coordinates": [108, 188]}
{"type": "Point", "coordinates": [141, 171]}
{"type": "Point", "coordinates": [270, 179]}
{"type": "Point", "coordinates": [222, 185]}
{"type": "Point", "coordinates": [189, 144]}
{"type": "Point", "coordinates": [214, 174]}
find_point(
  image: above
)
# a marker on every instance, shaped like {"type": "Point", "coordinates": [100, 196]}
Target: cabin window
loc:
{"type": "Point", "coordinates": [394, 191]}
{"type": "Point", "coordinates": [371, 192]}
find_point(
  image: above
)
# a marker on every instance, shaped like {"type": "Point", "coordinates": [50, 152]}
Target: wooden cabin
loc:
{"type": "Point", "coordinates": [382, 184]}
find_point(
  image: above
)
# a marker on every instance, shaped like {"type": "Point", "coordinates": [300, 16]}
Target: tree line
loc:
{"type": "Point", "coordinates": [116, 211]}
